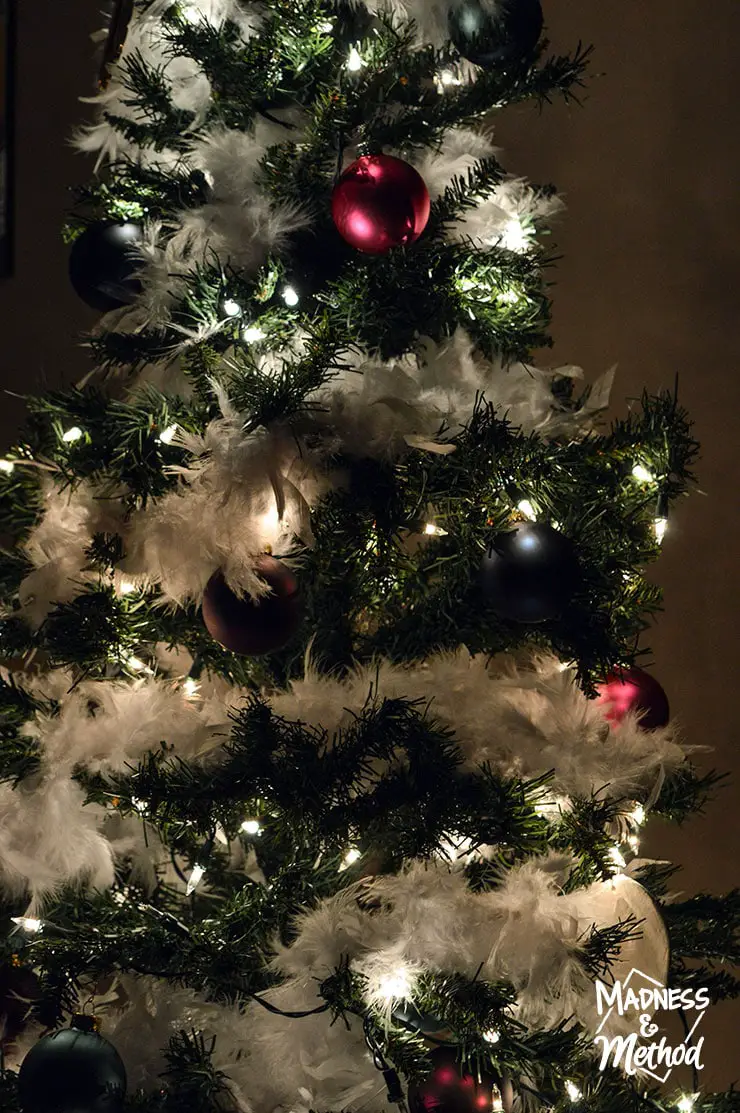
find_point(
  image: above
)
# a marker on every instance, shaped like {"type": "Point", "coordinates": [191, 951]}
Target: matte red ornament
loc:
{"type": "Point", "coordinates": [634, 690]}
{"type": "Point", "coordinates": [380, 202]}
{"type": "Point", "coordinates": [253, 627]}
{"type": "Point", "coordinates": [452, 1088]}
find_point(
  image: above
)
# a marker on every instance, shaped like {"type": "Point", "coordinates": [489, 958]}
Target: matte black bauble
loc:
{"type": "Point", "coordinates": [495, 32]}
{"type": "Point", "coordinates": [530, 573]}
{"type": "Point", "coordinates": [101, 265]}
{"type": "Point", "coordinates": [450, 1088]}
{"type": "Point", "coordinates": [254, 627]}
{"type": "Point", "coordinates": [72, 1071]}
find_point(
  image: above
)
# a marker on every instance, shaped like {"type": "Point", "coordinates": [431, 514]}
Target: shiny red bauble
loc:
{"type": "Point", "coordinates": [634, 690]}
{"type": "Point", "coordinates": [450, 1088]}
{"type": "Point", "coordinates": [380, 202]}
{"type": "Point", "coordinates": [253, 627]}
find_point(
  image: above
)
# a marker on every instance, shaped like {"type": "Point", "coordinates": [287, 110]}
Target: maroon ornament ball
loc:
{"type": "Point", "coordinates": [634, 690]}
{"type": "Point", "coordinates": [252, 627]}
{"type": "Point", "coordinates": [451, 1088]}
{"type": "Point", "coordinates": [380, 202]}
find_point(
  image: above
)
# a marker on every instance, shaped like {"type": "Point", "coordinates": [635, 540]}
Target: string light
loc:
{"type": "Point", "coordinates": [72, 434]}
{"type": "Point", "coordinates": [232, 308]}
{"type": "Point", "coordinates": [638, 815]}
{"type": "Point", "coordinates": [190, 687]}
{"type": "Point", "coordinates": [617, 858]}
{"type": "Point", "coordinates": [445, 79]}
{"type": "Point", "coordinates": [136, 664]}
{"type": "Point", "coordinates": [251, 827]}
{"type": "Point", "coordinates": [28, 924]}
{"type": "Point", "coordinates": [290, 296]}
{"type": "Point", "coordinates": [191, 13]}
{"type": "Point", "coordinates": [432, 530]}
{"type": "Point", "coordinates": [196, 876]}
{"type": "Point", "coordinates": [126, 587]}
{"type": "Point", "coordinates": [572, 1091]}
{"type": "Point", "coordinates": [354, 61]}
{"type": "Point", "coordinates": [353, 855]}
{"type": "Point", "coordinates": [252, 333]}
{"type": "Point", "coordinates": [7, 466]}
{"type": "Point", "coordinates": [640, 472]}
{"type": "Point", "coordinates": [167, 435]}
{"type": "Point", "coordinates": [685, 1103]}
{"type": "Point", "coordinates": [395, 985]}
{"type": "Point", "coordinates": [492, 1036]}
{"type": "Point", "coordinates": [326, 28]}
{"type": "Point", "coordinates": [515, 237]}
{"type": "Point", "coordinates": [661, 525]}
{"type": "Point", "coordinates": [634, 843]}
{"type": "Point", "coordinates": [525, 507]}
{"type": "Point", "coordinates": [497, 1102]}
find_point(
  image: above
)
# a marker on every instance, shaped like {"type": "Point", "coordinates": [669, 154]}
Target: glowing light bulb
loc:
{"type": "Point", "coordinates": [525, 507]}
{"type": "Point", "coordinates": [638, 815]}
{"type": "Point", "coordinates": [515, 237]}
{"type": "Point", "coordinates": [290, 296]}
{"type": "Point", "coordinates": [7, 466]}
{"type": "Point", "coordinates": [445, 79]}
{"type": "Point", "coordinates": [634, 843]}
{"type": "Point", "coordinates": [135, 663]}
{"type": "Point", "coordinates": [354, 61]}
{"type": "Point", "coordinates": [126, 587]}
{"type": "Point", "coordinates": [196, 876]}
{"type": "Point", "coordinates": [167, 435]}
{"type": "Point", "coordinates": [190, 687]}
{"type": "Point", "coordinates": [252, 333]}
{"type": "Point", "coordinates": [497, 1102]}
{"type": "Point", "coordinates": [232, 308]}
{"type": "Point", "coordinates": [395, 985]}
{"type": "Point", "coordinates": [28, 924]}
{"type": "Point", "coordinates": [191, 12]}
{"type": "Point", "coordinates": [353, 855]}
{"type": "Point", "coordinates": [685, 1103]}
{"type": "Point", "coordinates": [617, 858]}
{"type": "Point", "coordinates": [432, 530]}
{"type": "Point", "coordinates": [251, 827]}
{"type": "Point", "coordinates": [572, 1091]}
{"type": "Point", "coordinates": [72, 434]}
{"type": "Point", "coordinates": [661, 525]}
{"type": "Point", "coordinates": [640, 472]}
{"type": "Point", "coordinates": [492, 1036]}
{"type": "Point", "coordinates": [326, 28]}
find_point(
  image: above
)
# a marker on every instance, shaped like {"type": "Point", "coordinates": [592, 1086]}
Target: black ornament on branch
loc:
{"type": "Point", "coordinates": [530, 573]}
{"type": "Point", "coordinates": [494, 33]}
{"type": "Point", "coordinates": [101, 265]}
{"type": "Point", "coordinates": [254, 627]}
{"type": "Point", "coordinates": [73, 1070]}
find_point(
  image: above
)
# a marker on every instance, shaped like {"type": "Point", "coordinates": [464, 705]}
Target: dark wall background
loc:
{"type": "Point", "coordinates": [651, 245]}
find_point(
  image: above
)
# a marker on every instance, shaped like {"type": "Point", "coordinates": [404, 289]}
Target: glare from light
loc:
{"type": "Point", "coordinates": [135, 663]}
{"type": "Point", "coordinates": [633, 843]}
{"type": "Point", "coordinates": [126, 587]}
{"type": "Point", "coordinates": [232, 308]}
{"type": "Point", "coordinates": [326, 28]}
{"type": "Point", "coordinates": [252, 333]}
{"type": "Point", "coordinates": [195, 879]}
{"type": "Point", "coordinates": [515, 237]}
{"type": "Point", "coordinates": [72, 434]}
{"type": "Point", "coordinates": [640, 472]}
{"type": "Point", "coordinates": [353, 855]}
{"type": "Point", "coordinates": [7, 466]}
{"type": "Point", "coordinates": [28, 923]}
{"type": "Point", "coordinates": [445, 80]}
{"type": "Point", "coordinates": [191, 12]}
{"type": "Point", "coordinates": [251, 827]}
{"type": "Point", "coordinates": [167, 435]}
{"type": "Point", "coordinates": [525, 507]}
{"type": "Point", "coordinates": [433, 530]}
{"type": "Point", "coordinates": [354, 61]}
{"type": "Point", "coordinates": [492, 1036]}
{"type": "Point", "coordinates": [395, 985]}
{"type": "Point", "coordinates": [617, 858]}
{"type": "Point", "coordinates": [685, 1104]}
{"type": "Point", "coordinates": [290, 296]}
{"type": "Point", "coordinates": [661, 525]}
{"type": "Point", "coordinates": [638, 815]}
{"type": "Point", "coordinates": [190, 687]}
{"type": "Point", "coordinates": [572, 1091]}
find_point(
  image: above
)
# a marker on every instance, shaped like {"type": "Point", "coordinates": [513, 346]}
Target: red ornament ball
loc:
{"type": "Point", "coordinates": [252, 627]}
{"type": "Point", "coordinates": [450, 1088]}
{"type": "Point", "coordinates": [634, 690]}
{"type": "Point", "coordinates": [380, 202]}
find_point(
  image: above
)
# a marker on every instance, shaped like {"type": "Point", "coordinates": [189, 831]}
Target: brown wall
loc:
{"type": "Point", "coordinates": [649, 168]}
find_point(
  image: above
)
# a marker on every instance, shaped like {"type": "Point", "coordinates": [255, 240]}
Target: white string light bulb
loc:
{"type": "Point", "coordinates": [196, 876]}
{"type": "Point", "coordinates": [72, 434]}
{"type": "Point", "coordinates": [232, 308]}
{"type": "Point", "coordinates": [354, 61]}
{"type": "Point", "coordinates": [492, 1036]}
{"type": "Point", "coordinates": [515, 237]}
{"type": "Point", "coordinates": [641, 473]}
{"type": "Point", "coordinates": [126, 587]}
{"type": "Point", "coordinates": [497, 1102]}
{"type": "Point", "coordinates": [572, 1091]}
{"type": "Point", "coordinates": [28, 924]}
{"type": "Point", "coordinates": [638, 815]}
{"type": "Point", "coordinates": [167, 435]}
{"type": "Point", "coordinates": [685, 1103]}
{"type": "Point", "coordinates": [525, 507]}
{"type": "Point", "coordinates": [253, 333]}
{"type": "Point", "coordinates": [251, 827]}
{"type": "Point", "coordinates": [433, 530]}
{"type": "Point", "coordinates": [190, 687]}
{"type": "Point", "coordinates": [395, 985]}
{"type": "Point", "coordinates": [7, 466]}
{"type": "Point", "coordinates": [326, 27]}
{"type": "Point", "coordinates": [290, 296]}
{"type": "Point", "coordinates": [618, 859]}
{"type": "Point", "coordinates": [661, 525]}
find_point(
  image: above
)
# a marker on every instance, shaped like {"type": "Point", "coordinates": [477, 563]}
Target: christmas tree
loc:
{"type": "Point", "coordinates": [326, 742]}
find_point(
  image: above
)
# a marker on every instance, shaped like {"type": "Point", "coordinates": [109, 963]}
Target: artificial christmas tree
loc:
{"type": "Point", "coordinates": [292, 799]}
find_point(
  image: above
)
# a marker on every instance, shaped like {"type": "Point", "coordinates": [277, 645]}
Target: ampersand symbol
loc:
{"type": "Point", "coordinates": [646, 1028]}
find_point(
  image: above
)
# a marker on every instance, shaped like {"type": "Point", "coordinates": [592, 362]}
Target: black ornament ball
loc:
{"type": "Point", "coordinates": [495, 32]}
{"type": "Point", "coordinates": [254, 627]}
{"type": "Point", "coordinates": [530, 573]}
{"type": "Point", "coordinates": [101, 265]}
{"type": "Point", "coordinates": [450, 1088]}
{"type": "Point", "coordinates": [72, 1071]}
